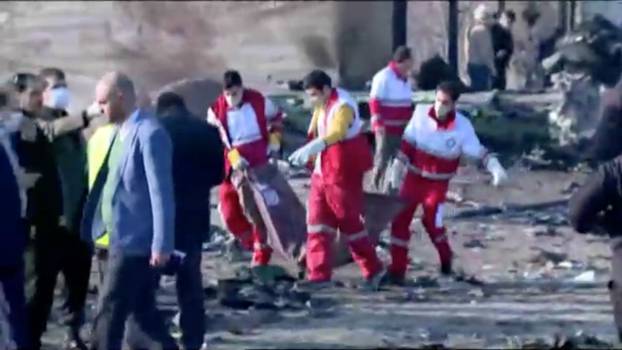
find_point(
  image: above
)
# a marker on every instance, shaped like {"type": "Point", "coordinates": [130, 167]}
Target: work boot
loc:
{"type": "Point", "coordinates": [395, 280]}
{"type": "Point", "coordinates": [373, 283]}
{"type": "Point", "coordinates": [312, 286]}
{"type": "Point", "coordinates": [73, 341]}
{"type": "Point", "coordinates": [446, 269]}
{"type": "Point", "coordinates": [234, 252]}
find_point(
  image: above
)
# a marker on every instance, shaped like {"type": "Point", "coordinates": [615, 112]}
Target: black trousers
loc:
{"type": "Point", "coordinates": [51, 251]}
{"type": "Point", "coordinates": [189, 288]}
{"type": "Point", "coordinates": [190, 297]}
{"type": "Point", "coordinates": [128, 289]}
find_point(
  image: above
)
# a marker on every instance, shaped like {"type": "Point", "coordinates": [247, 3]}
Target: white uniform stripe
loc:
{"type": "Point", "coordinates": [399, 242]}
{"type": "Point", "coordinates": [357, 236]}
{"type": "Point", "coordinates": [438, 222]}
{"type": "Point", "coordinates": [429, 175]}
{"type": "Point", "coordinates": [321, 229]}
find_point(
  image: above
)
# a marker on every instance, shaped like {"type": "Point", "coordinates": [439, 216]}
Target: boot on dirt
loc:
{"type": "Point", "coordinates": [308, 286]}
{"type": "Point", "coordinates": [73, 341]}
{"type": "Point", "coordinates": [373, 283]}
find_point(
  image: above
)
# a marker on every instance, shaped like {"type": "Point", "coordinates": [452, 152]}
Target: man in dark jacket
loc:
{"type": "Point", "coordinates": [75, 259]}
{"type": "Point", "coordinates": [45, 206]}
{"type": "Point", "coordinates": [597, 208]}
{"type": "Point", "coordinates": [503, 46]}
{"type": "Point", "coordinates": [198, 166]}
{"type": "Point", "coordinates": [13, 233]}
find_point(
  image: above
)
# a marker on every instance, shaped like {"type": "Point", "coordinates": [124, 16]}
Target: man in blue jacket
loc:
{"type": "Point", "coordinates": [198, 166]}
{"type": "Point", "coordinates": [133, 200]}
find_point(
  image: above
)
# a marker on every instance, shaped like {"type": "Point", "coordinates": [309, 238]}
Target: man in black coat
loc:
{"type": "Point", "coordinates": [13, 232]}
{"type": "Point", "coordinates": [503, 46]}
{"type": "Point", "coordinates": [45, 206]}
{"type": "Point", "coordinates": [597, 208]}
{"type": "Point", "coordinates": [70, 152]}
{"type": "Point", "coordinates": [198, 166]}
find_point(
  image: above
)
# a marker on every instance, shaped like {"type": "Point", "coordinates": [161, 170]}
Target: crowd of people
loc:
{"type": "Point", "coordinates": [135, 194]}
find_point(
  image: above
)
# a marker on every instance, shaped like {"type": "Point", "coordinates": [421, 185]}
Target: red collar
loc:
{"type": "Point", "coordinates": [334, 96]}
{"type": "Point", "coordinates": [446, 124]}
{"type": "Point", "coordinates": [393, 66]}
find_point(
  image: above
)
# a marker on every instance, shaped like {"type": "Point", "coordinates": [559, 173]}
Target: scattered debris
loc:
{"type": "Point", "coordinates": [475, 243]}
{"type": "Point", "coordinates": [585, 277]}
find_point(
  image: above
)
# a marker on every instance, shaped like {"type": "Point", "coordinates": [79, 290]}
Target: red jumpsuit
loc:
{"type": "Point", "coordinates": [336, 197]}
{"type": "Point", "coordinates": [244, 128]}
{"type": "Point", "coordinates": [432, 149]}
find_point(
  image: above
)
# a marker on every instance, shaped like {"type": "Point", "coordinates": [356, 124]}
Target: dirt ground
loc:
{"type": "Point", "coordinates": [527, 262]}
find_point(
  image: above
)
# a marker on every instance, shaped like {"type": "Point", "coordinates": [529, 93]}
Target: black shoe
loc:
{"type": "Point", "coordinates": [394, 280]}
{"type": "Point", "coordinates": [73, 341]}
{"type": "Point", "coordinates": [446, 269]}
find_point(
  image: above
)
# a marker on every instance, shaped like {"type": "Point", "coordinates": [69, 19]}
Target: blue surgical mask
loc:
{"type": "Point", "coordinates": [58, 98]}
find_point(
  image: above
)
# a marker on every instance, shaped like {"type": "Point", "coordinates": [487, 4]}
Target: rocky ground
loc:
{"type": "Point", "coordinates": [528, 281]}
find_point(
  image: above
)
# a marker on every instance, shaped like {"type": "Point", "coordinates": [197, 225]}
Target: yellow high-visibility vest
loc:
{"type": "Point", "coordinates": [96, 150]}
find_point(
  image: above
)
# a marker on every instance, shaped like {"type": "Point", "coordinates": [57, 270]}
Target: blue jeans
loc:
{"type": "Point", "coordinates": [12, 281]}
{"type": "Point", "coordinates": [480, 75]}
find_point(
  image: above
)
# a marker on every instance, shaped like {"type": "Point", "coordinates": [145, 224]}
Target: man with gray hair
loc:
{"type": "Point", "coordinates": [133, 200]}
{"type": "Point", "coordinates": [480, 55]}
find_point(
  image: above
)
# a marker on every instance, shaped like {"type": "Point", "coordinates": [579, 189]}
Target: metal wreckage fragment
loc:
{"type": "Point", "coordinates": [586, 66]}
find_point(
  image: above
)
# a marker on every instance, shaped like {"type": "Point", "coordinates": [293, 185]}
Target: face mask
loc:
{"type": "Point", "coordinates": [441, 110]}
{"type": "Point", "coordinates": [10, 121]}
{"type": "Point", "coordinates": [315, 101]}
{"type": "Point", "coordinates": [58, 98]}
{"type": "Point", "coordinates": [233, 101]}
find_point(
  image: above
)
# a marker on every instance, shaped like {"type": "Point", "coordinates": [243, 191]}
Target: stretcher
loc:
{"type": "Point", "coordinates": [284, 216]}
{"type": "Point", "coordinates": [281, 211]}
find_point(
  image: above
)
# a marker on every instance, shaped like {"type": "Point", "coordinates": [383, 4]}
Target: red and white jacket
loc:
{"type": "Point", "coordinates": [390, 100]}
{"type": "Point", "coordinates": [246, 128]}
{"type": "Point", "coordinates": [350, 158]}
{"type": "Point", "coordinates": [432, 148]}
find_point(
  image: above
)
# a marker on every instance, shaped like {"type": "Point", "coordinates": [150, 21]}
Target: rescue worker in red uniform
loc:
{"type": "Point", "coordinates": [335, 202]}
{"type": "Point", "coordinates": [249, 126]}
{"type": "Point", "coordinates": [391, 107]}
{"type": "Point", "coordinates": [434, 141]}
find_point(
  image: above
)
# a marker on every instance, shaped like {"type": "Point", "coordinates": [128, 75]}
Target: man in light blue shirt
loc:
{"type": "Point", "coordinates": [132, 199]}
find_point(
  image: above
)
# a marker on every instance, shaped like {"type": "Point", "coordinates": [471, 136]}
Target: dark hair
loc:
{"type": "Point", "coordinates": [168, 100]}
{"type": "Point", "coordinates": [317, 79]}
{"type": "Point", "coordinates": [231, 79]}
{"type": "Point", "coordinates": [510, 14]}
{"type": "Point", "coordinates": [401, 54]}
{"type": "Point", "coordinates": [52, 72]}
{"type": "Point", "coordinates": [23, 81]}
{"type": "Point", "coordinates": [451, 88]}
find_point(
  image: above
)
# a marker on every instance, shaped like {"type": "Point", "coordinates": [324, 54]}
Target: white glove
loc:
{"type": "Point", "coordinates": [397, 173]}
{"type": "Point", "coordinates": [304, 153]}
{"type": "Point", "coordinates": [93, 110]}
{"type": "Point", "coordinates": [499, 176]}
{"type": "Point", "coordinates": [240, 165]}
